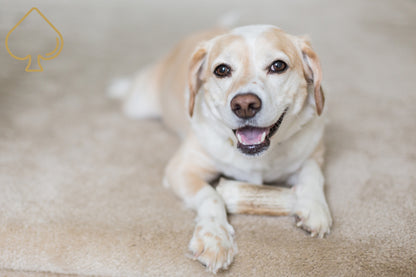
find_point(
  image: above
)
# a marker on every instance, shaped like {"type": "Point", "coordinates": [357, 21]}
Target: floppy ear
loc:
{"type": "Point", "coordinates": [194, 75]}
{"type": "Point", "coordinates": [313, 72]}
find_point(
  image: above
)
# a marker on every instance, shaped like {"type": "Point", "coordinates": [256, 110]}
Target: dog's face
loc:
{"type": "Point", "coordinates": [251, 79]}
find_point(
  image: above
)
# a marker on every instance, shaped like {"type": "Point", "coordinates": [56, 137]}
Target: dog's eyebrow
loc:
{"type": "Point", "coordinates": [220, 60]}
{"type": "Point", "coordinates": [274, 57]}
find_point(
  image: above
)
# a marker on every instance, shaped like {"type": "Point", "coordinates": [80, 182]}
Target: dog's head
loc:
{"type": "Point", "coordinates": [251, 79]}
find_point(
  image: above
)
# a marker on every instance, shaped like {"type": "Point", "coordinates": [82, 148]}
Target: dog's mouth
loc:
{"type": "Point", "coordinates": [254, 140]}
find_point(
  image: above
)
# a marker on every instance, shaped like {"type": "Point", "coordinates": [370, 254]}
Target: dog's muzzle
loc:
{"type": "Point", "coordinates": [253, 140]}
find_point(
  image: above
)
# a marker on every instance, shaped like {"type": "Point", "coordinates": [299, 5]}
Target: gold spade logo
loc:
{"type": "Point", "coordinates": [47, 56]}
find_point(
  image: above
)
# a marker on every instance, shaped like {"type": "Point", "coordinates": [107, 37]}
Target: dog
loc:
{"type": "Point", "coordinates": [249, 105]}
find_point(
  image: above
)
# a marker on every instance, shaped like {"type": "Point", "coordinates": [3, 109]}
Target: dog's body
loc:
{"type": "Point", "coordinates": [254, 101]}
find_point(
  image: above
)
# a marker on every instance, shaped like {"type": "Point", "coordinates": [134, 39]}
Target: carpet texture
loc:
{"type": "Point", "coordinates": [80, 184]}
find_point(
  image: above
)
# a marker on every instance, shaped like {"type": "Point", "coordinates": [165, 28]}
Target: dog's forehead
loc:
{"type": "Point", "coordinates": [228, 46]}
{"type": "Point", "coordinates": [252, 32]}
{"type": "Point", "coordinates": [262, 39]}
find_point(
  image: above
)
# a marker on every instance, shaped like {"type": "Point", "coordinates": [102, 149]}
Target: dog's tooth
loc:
{"type": "Point", "coordinates": [239, 138]}
{"type": "Point", "coordinates": [263, 137]}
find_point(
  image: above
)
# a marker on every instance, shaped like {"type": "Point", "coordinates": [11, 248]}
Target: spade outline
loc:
{"type": "Point", "coordinates": [55, 52]}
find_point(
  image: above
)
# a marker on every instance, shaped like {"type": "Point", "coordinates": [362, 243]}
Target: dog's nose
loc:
{"type": "Point", "coordinates": [245, 105]}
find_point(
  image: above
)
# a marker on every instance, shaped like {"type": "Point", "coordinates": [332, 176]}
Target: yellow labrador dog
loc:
{"type": "Point", "coordinates": [249, 105]}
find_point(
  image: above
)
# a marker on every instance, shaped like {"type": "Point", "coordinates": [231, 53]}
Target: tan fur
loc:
{"type": "Point", "coordinates": [194, 76]}
{"type": "Point", "coordinates": [232, 44]}
{"type": "Point", "coordinates": [277, 39]}
{"type": "Point", "coordinates": [188, 172]}
{"type": "Point", "coordinates": [318, 154]}
{"type": "Point", "coordinates": [313, 72]}
{"type": "Point", "coordinates": [244, 198]}
{"type": "Point", "coordinates": [175, 73]}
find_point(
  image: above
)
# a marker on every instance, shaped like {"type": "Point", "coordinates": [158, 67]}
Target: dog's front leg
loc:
{"type": "Point", "coordinates": [311, 208]}
{"type": "Point", "coordinates": [245, 198]}
{"type": "Point", "coordinates": [188, 174]}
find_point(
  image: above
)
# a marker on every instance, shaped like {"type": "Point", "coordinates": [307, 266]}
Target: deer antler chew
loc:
{"type": "Point", "coordinates": [245, 198]}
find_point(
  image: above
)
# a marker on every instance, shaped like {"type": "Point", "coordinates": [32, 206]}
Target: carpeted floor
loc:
{"type": "Point", "coordinates": [80, 184]}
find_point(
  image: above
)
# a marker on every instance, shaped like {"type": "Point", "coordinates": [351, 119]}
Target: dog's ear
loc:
{"type": "Point", "coordinates": [312, 71]}
{"type": "Point", "coordinates": [194, 75]}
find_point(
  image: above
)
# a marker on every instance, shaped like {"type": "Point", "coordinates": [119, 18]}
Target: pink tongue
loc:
{"type": "Point", "coordinates": [251, 135]}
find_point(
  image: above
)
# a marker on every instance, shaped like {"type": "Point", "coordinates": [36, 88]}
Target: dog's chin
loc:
{"type": "Point", "coordinates": [253, 140]}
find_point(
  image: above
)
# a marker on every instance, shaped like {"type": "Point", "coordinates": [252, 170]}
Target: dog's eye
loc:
{"type": "Point", "coordinates": [222, 71]}
{"type": "Point", "coordinates": [278, 66]}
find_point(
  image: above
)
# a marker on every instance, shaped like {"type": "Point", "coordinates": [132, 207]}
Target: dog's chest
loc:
{"type": "Point", "coordinates": [275, 167]}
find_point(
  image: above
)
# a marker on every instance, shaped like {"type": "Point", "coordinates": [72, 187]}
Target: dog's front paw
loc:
{"type": "Point", "coordinates": [314, 217]}
{"type": "Point", "coordinates": [213, 244]}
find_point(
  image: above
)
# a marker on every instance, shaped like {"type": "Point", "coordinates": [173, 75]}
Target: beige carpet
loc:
{"type": "Point", "coordinates": [80, 185]}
